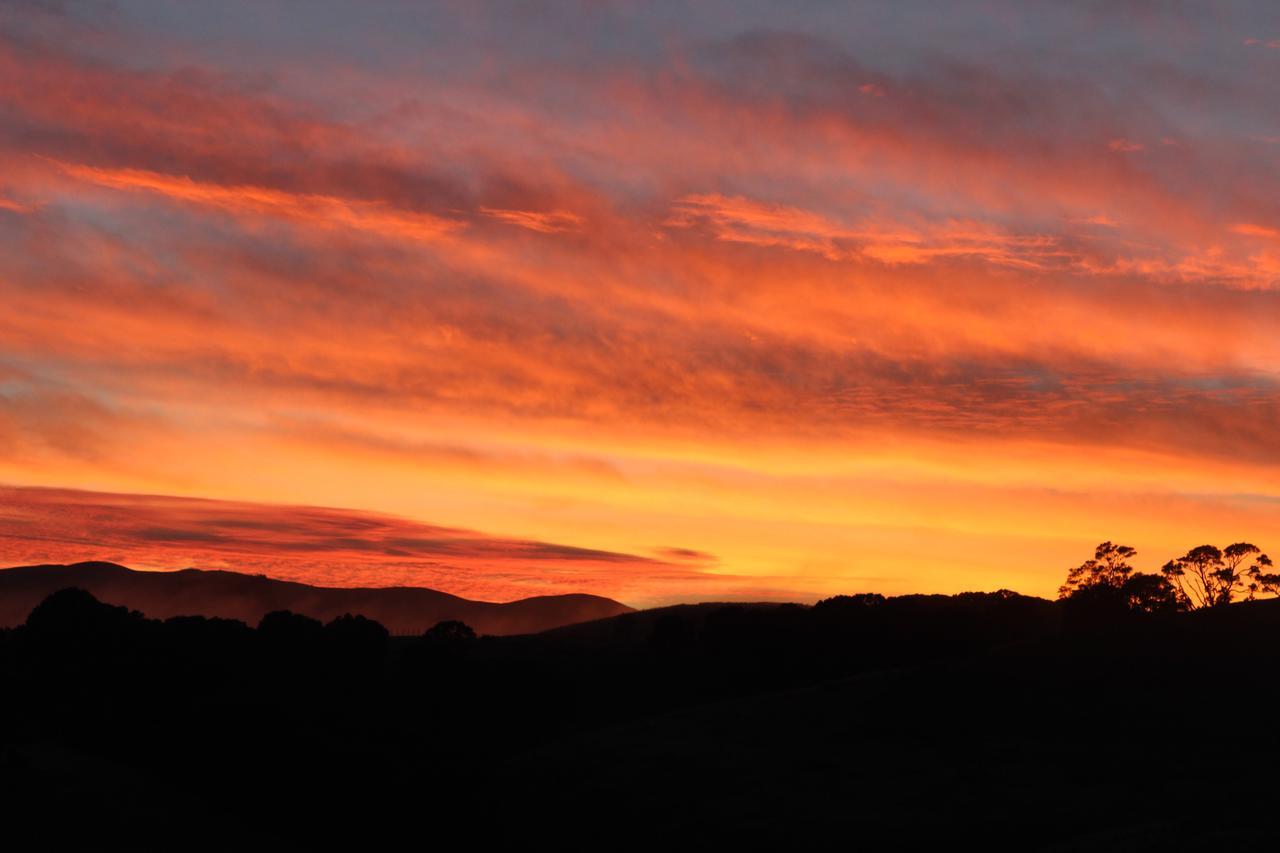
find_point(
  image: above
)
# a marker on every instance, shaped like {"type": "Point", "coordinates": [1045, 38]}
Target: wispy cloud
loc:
{"type": "Point", "coordinates": [319, 545]}
{"type": "Point", "coordinates": [548, 222]}
{"type": "Point", "coordinates": [741, 220]}
{"type": "Point", "coordinates": [313, 210]}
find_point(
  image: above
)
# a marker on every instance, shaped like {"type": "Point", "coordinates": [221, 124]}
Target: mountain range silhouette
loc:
{"type": "Point", "coordinates": [230, 595]}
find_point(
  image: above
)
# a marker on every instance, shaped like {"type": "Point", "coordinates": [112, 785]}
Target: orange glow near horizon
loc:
{"type": "Point", "coordinates": [733, 309]}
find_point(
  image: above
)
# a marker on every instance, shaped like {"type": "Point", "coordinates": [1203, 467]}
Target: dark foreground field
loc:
{"type": "Point", "coordinates": [994, 720]}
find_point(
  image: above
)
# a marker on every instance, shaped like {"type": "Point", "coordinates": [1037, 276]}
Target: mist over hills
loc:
{"type": "Point", "coordinates": [230, 595]}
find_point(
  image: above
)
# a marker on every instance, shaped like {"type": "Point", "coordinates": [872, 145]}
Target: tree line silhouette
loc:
{"type": "Point", "coordinates": [1204, 577]}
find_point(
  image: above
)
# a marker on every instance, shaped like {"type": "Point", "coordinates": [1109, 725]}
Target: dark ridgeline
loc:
{"type": "Point", "coordinates": [985, 719]}
{"type": "Point", "coordinates": [231, 595]}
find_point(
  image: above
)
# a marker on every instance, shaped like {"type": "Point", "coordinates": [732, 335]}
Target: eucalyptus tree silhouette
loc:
{"type": "Point", "coordinates": [1108, 586]}
{"type": "Point", "coordinates": [1264, 580]}
{"type": "Point", "coordinates": [1147, 593]}
{"type": "Point", "coordinates": [1207, 576]}
{"type": "Point", "coordinates": [1109, 568]}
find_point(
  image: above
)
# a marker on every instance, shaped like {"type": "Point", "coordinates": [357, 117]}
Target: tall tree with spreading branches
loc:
{"type": "Point", "coordinates": [1210, 577]}
{"type": "Point", "coordinates": [1109, 583]}
{"type": "Point", "coordinates": [1109, 567]}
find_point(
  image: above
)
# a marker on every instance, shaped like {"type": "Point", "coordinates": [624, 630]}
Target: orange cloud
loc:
{"type": "Point", "coordinates": [548, 222]}
{"type": "Point", "coordinates": [1250, 230]}
{"type": "Point", "coordinates": [314, 210]}
{"type": "Point", "coordinates": [742, 220]}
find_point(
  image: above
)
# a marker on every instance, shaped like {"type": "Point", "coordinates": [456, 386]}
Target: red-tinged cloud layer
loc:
{"type": "Point", "coordinates": [852, 299]}
{"type": "Point", "coordinates": [326, 547]}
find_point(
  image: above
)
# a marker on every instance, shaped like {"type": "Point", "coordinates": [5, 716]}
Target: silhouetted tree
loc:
{"type": "Point", "coordinates": [292, 637]}
{"type": "Point", "coordinates": [1109, 569]}
{"type": "Point", "coordinates": [857, 600]}
{"type": "Point", "coordinates": [1235, 556]}
{"type": "Point", "coordinates": [287, 626]}
{"type": "Point", "coordinates": [358, 639]}
{"type": "Point", "coordinates": [1147, 593]}
{"type": "Point", "coordinates": [81, 629]}
{"type": "Point", "coordinates": [1106, 587]}
{"type": "Point", "coordinates": [449, 632]}
{"type": "Point", "coordinates": [1208, 577]}
{"type": "Point", "coordinates": [75, 612]}
{"type": "Point", "coordinates": [444, 644]}
{"type": "Point", "coordinates": [357, 627]}
{"type": "Point", "coordinates": [1264, 580]}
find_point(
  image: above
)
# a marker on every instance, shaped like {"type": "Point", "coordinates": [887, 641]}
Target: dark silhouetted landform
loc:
{"type": "Point", "coordinates": [230, 595]}
{"type": "Point", "coordinates": [988, 720]}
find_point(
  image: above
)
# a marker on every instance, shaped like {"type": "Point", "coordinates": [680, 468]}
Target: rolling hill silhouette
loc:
{"type": "Point", "coordinates": [403, 610]}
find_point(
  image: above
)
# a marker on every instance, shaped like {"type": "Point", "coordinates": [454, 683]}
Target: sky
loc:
{"type": "Point", "coordinates": [666, 302]}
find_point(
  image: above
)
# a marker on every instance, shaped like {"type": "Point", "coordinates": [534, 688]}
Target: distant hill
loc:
{"type": "Point", "coordinates": [976, 616]}
{"type": "Point", "coordinates": [194, 592]}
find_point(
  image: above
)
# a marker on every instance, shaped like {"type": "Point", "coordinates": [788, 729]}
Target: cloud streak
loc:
{"type": "Point", "coordinates": [317, 211]}
{"type": "Point", "coordinates": [318, 545]}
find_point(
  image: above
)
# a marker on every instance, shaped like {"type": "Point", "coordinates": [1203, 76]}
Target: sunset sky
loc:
{"type": "Point", "coordinates": [665, 302]}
